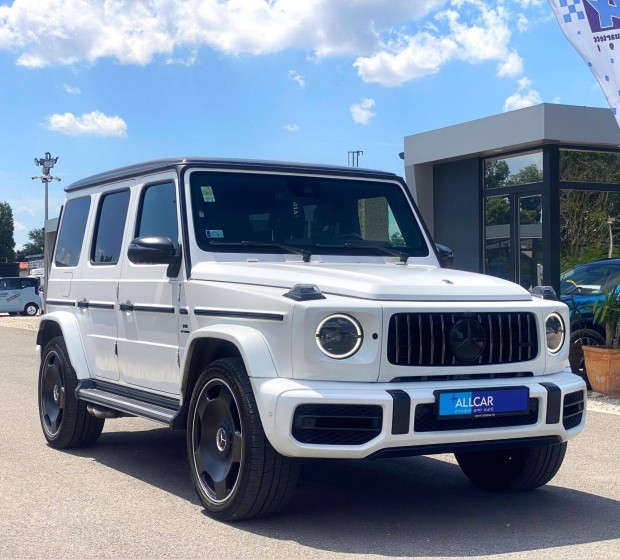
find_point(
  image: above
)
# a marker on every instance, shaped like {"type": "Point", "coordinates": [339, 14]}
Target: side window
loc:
{"type": "Point", "coordinates": [9, 283]}
{"type": "Point", "coordinates": [158, 213]}
{"type": "Point", "coordinates": [29, 282]}
{"type": "Point", "coordinates": [108, 238]}
{"type": "Point", "coordinates": [71, 235]}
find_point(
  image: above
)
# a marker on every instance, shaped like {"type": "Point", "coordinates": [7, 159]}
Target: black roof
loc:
{"type": "Point", "coordinates": [158, 165]}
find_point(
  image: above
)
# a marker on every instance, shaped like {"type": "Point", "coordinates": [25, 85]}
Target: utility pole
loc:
{"type": "Point", "coordinates": [354, 158]}
{"type": "Point", "coordinates": [47, 163]}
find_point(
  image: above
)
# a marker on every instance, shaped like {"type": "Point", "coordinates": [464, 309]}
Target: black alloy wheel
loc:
{"type": "Point", "coordinates": [217, 440]}
{"type": "Point", "coordinates": [65, 420]}
{"type": "Point", "coordinates": [236, 472]}
{"type": "Point", "coordinates": [52, 394]}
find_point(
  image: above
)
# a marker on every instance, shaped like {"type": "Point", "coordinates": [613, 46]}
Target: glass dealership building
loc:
{"type": "Point", "coordinates": [524, 195]}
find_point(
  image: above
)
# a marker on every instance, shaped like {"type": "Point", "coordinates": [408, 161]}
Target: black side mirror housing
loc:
{"type": "Point", "coordinates": [446, 256]}
{"type": "Point", "coordinates": [155, 250]}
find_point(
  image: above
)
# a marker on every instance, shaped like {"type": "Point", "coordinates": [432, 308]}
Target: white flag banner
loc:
{"type": "Point", "coordinates": [593, 28]}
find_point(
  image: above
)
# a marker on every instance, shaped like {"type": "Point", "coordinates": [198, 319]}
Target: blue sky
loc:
{"type": "Point", "coordinates": [105, 83]}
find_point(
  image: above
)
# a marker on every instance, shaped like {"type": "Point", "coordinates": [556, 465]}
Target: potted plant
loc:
{"type": "Point", "coordinates": [603, 362]}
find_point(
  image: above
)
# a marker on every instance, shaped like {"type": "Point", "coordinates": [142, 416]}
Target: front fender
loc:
{"type": "Point", "coordinates": [62, 323]}
{"type": "Point", "coordinates": [251, 344]}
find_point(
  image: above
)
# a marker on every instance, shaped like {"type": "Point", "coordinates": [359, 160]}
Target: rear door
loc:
{"type": "Point", "coordinates": [98, 285]}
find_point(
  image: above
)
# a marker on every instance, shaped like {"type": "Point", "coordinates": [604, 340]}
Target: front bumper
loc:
{"type": "Point", "coordinates": [397, 411]}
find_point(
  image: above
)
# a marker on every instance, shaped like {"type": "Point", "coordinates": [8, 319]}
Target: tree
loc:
{"type": "Point", "coordinates": [37, 241]}
{"type": "Point", "coordinates": [7, 242]}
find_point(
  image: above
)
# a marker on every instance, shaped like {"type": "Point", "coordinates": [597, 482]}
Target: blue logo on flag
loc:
{"type": "Point", "coordinates": [603, 15]}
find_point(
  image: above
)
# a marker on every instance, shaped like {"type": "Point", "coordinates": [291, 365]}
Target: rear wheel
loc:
{"type": "Point", "coordinates": [65, 420]}
{"type": "Point", "coordinates": [519, 469]}
{"type": "Point", "coordinates": [236, 472]}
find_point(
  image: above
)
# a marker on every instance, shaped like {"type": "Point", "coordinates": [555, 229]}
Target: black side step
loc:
{"type": "Point", "coordinates": [131, 402]}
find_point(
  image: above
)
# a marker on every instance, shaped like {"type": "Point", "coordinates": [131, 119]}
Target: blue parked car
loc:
{"type": "Point", "coordinates": [579, 289]}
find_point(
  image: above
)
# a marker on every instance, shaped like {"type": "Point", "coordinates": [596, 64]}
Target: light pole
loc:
{"type": "Point", "coordinates": [47, 163]}
{"type": "Point", "coordinates": [354, 158]}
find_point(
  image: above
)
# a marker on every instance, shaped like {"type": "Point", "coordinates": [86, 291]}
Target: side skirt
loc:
{"type": "Point", "coordinates": [129, 401]}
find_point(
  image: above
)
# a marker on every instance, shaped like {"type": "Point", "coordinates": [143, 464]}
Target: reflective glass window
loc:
{"type": "Point", "coordinates": [71, 235]}
{"type": "Point", "coordinates": [108, 238]}
{"type": "Point", "coordinates": [524, 168]}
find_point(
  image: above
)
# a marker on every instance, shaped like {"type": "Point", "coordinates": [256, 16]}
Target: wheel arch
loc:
{"type": "Point", "coordinates": [64, 324]}
{"type": "Point", "coordinates": [220, 341]}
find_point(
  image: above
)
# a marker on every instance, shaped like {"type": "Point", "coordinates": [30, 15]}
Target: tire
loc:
{"type": "Point", "coordinates": [237, 474]}
{"type": "Point", "coordinates": [64, 419]}
{"type": "Point", "coordinates": [519, 469]}
{"type": "Point", "coordinates": [30, 309]}
{"type": "Point", "coordinates": [588, 337]}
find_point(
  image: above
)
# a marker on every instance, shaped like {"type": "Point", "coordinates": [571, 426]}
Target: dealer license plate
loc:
{"type": "Point", "coordinates": [482, 402]}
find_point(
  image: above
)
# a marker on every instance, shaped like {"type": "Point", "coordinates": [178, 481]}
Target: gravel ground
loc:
{"type": "Point", "coordinates": [596, 401]}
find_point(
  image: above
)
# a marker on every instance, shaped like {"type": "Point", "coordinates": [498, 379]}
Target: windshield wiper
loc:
{"type": "Point", "coordinates": [305, 254]}
{"type": "Point", "coordinates": [385, 250]}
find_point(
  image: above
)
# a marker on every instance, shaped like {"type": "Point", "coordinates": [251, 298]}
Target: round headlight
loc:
{"type": "Point", "coordinates": [554, 325]}
{"type": "Point", "coordinates": [339, 336]}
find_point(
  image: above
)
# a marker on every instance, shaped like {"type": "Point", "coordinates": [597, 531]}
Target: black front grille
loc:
{"type": "Point", "coordinates": [337, 424]}
{"type": "Point", "coordinates": [423, 339]}
{"type": "Point", "coordinates": [573, 409]}
{"type": "Point", "coordinates": [426, 420]}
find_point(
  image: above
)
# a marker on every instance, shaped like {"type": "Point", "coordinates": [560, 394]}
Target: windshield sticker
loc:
{"type": "Point", "coordinates": [214, 234]}
{"type": "Point", "coordinates": [207, 194]}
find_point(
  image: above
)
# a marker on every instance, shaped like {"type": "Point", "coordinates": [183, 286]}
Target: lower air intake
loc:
{"type": "Point", "coordinates": [572, 409]}
{"type": "Point", "coordinates": [337, 424]}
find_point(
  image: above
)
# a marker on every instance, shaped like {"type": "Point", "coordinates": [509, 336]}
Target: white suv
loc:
{"type": "Point", "coordinates": [284, 311]}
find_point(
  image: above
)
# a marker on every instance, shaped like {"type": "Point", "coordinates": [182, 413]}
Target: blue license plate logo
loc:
{"type": "Point", "coordinates": [474, 403]}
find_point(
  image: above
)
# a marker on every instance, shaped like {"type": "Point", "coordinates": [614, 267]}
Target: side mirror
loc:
{"type": "Point", "coordinates": [155, 250]}
{"type": "Point", "coordinates": [446, 256]}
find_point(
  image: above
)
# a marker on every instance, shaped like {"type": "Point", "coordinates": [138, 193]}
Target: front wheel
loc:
{"type": "Point", "coordinates": [236, 472]}
{"type": "Point", "coordinates": [30, 309]}
{"type": "Point", "coordinates": [518, 469]}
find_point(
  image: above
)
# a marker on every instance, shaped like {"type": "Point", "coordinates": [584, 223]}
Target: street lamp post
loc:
{"type": "Point", "coordinates": [47, 163]}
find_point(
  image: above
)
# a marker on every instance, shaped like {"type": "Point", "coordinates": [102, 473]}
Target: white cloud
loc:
{"type": "Point", "coordinates": [17, 226]}
{"type": "Point", "coordinates": [522, 23]}
{"type": "Point", "coordinates": [24, 209]}
{"type": "Point", "coordinates": [292, 127]}
{"type": "Point", "coordinates": [297, 78]}
{"type": "Point", "coordinates": [89, 123]}
{"type": "Point", "coordinates": [475, 33]}
{"type": "Point", "coordinates": [525, 96]}
{"type": "Point", "coordinates": [362, 112]}
{"type": "Point", "coordinates": [512, 67]}
{"type": "Point", "coordinates": [97, 29]}
{"type": "Point", "coordinates": [70, 89]}
{"type": "Point", "coordinates": [391, 42]}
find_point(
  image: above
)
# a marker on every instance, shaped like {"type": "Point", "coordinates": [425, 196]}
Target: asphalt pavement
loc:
{"type": "Point", "coordinates": [130, 496]}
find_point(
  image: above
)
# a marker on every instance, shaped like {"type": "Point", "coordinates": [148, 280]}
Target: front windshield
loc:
{"type": "Point", "coordinates": [252, 212]}
{"type": "Point", "coordinates": [589, 279]}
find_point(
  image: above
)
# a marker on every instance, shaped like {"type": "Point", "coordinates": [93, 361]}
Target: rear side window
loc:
{"type": "Point", "coordinates": [158, 213]}
{"type": "Point", "coordinates": [106, 248]}
{"type": "Point", "coordinates": [71, 235]}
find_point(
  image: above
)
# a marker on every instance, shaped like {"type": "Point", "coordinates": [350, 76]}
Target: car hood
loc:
{"type": "Point", "coordinates": [389, 282]}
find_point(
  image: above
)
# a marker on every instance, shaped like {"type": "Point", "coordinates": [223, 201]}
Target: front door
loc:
{"type": "Point", "coordinates": [148, 319]}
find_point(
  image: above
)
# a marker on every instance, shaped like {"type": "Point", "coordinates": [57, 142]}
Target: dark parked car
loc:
{"type": "Point", "coordinates": [579, 289]}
